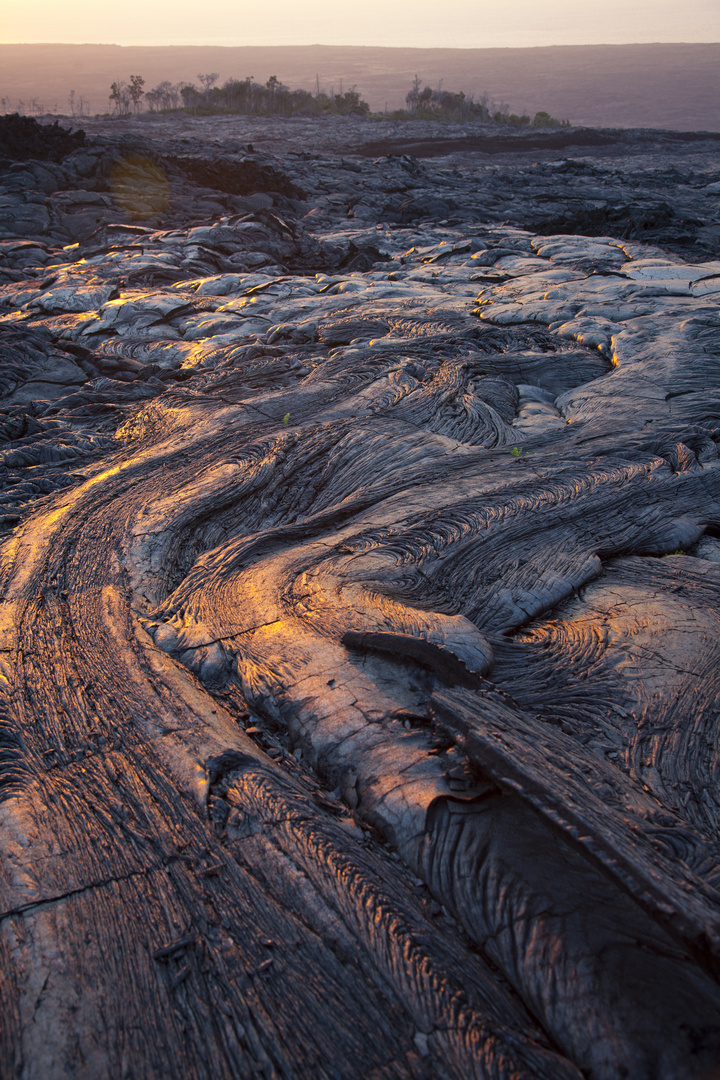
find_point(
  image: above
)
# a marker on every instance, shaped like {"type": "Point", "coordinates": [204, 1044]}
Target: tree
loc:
{"type": "Point", "coordinates": [272, 84]}
{"type": "Point", "coordinates": [190, 96]}
{"type": "Point", "coordinates": [208, 81]}
{"type": "Point", "coordinates": [350, 103]}
{"type": "Point", "coordinates": [120, 98]}
{"type": "Point", "coordinates": [163, 96]}
{"type": "Point", "coordinates": [171, 95]}
{"type": "Point", "coordinates": [413, 96]}
{"type": "Point", "coordinates": [114, 96]}
{"type": "Point", "coordinates": [544, 119]}
{"type": "Point", "coordinates": [136, 90]}
{"type": "Point", "coordinates": [152, 99]}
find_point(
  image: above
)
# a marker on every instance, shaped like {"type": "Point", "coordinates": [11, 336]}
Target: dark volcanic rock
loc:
{"type": "Point", "coordinates": [236, 177]}
{"type": "Point", "coordinates": [23, 139]}
{"type": "Point", "coordinates": [515, 141]}
{"type": "Point", "coordinates": [359, 599]}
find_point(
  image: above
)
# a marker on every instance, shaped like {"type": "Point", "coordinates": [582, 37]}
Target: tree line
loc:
{"type": "Point", "coordinates": [245, 96]}
{"type": "Point", "coordinates": [273, 98]}
{"type": "Point", "coordinates": [439, 104]}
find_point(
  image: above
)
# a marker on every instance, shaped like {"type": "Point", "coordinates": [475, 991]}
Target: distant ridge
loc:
{"type": "Point", "coordinates": [662, 86]}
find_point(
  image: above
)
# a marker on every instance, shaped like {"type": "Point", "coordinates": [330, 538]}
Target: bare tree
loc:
{"type": "Point", "coordinates": [120, 98]}
{"type": "Point", "coordinates": [135, 90]}
{"type": "Point", "coordinates": [208, 81]}
{"type": "Point", "coordinates": [171, 95]}
{"type": "Point", "coordinates": [71, 102]}
{"type": "Point", "coordinates": [413, 97]}
{"type": "Point", "coordinates": [153, 99]}
{"type": "Point", "coordinates": [190, 96]}
{"type": "Point", "coordinates": [163, 96]}
{"type": "Point", "coordinates": [272, 85]}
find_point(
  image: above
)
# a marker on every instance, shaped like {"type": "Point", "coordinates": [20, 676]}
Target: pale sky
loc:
{"type": "Point", "coordinates": [418, 23]}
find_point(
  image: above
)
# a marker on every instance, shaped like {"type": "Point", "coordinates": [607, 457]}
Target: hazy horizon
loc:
{"type": "Point", "coordinates": [457, 24]}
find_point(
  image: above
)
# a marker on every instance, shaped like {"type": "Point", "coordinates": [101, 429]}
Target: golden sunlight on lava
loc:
{"type": "Point", "coordinates": [139, 186]}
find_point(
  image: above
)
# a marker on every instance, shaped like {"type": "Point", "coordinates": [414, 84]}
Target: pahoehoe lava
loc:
{"type": "Point", "coordinates": [359, 604]}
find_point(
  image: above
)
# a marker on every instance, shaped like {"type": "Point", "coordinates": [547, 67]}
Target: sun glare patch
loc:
{"type": "Point", "coordinates": [140, 186]}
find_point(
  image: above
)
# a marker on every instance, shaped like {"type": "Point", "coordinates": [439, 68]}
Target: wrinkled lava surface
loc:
{"type": "Point", "coordinates": [359, 603]}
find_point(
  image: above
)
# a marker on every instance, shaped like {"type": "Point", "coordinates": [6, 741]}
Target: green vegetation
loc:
{"type": "Point", "coordinates": [249, 98]}
{"type": "Point", "coordinates": [271, 99]}
{"type": "Point", "coordinates": [428, 104]}
{"type": "Point", "coordinates": [241, 96]}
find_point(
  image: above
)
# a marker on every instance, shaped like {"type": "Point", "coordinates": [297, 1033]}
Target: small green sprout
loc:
{"type": "Point", "coordinates": [286, 418]}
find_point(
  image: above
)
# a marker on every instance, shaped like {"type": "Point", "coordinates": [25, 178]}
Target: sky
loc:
{"type": "Point", "coordinates": [408, 23]}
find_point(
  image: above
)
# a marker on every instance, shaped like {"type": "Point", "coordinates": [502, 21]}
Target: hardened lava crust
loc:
{"type": "Point", "coordinates": [359, 602]}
